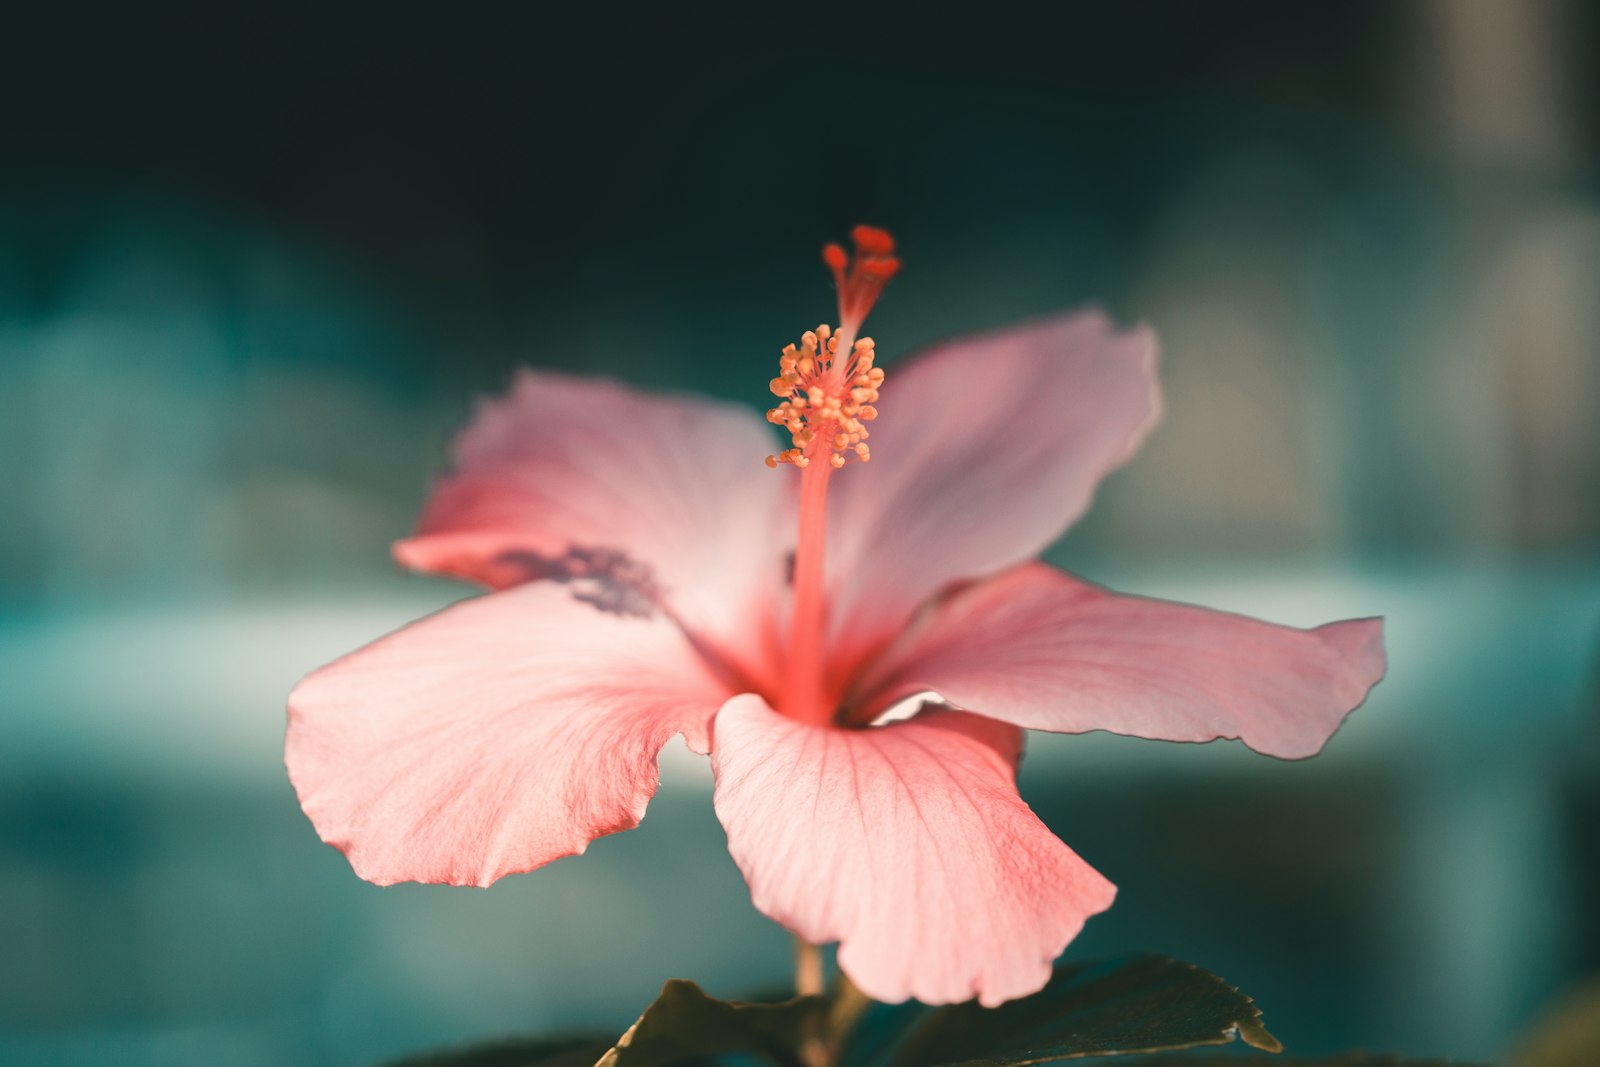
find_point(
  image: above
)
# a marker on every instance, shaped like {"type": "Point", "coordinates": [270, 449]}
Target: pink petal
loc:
{"type": "Point", "coordinates": [1042, 649]}
{"type": "Point", "coordinates": [907, 844]}
{"type": "Point", "coordinates": [986, 448]}
{"type": "Point", "coordinates": [500, 734]}
{"type": "Point", "coordinates": [671, 490]}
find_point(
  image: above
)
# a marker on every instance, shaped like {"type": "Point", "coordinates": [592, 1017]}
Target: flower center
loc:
{"type": "Point", "coordinates": [828, 386]}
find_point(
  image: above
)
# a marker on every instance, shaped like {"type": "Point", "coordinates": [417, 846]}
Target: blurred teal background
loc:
{"type": "Point", "coordinates": [257, 260]}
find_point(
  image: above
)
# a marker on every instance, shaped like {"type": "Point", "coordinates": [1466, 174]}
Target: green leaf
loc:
{"type": "Point", "coordinates": [525, 1052]}
{"type": "Point", "coordinates": [685, 1024]}
{"type": "Point", "coordinates": [1138, 1003]}
{"type": "Point", "coordinates": [1347, 1059]}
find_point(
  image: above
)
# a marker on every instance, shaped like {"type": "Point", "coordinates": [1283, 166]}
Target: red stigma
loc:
{"type": "Point", "coordinates": [873, 241]}
{"type": "Point", "coordinates": [861, 278]}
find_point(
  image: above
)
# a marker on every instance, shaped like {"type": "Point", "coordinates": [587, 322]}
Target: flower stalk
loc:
{"type": "Point", "coordinates": [826, 1035]}
{"type": "Point", "coordinates": [808, 980]}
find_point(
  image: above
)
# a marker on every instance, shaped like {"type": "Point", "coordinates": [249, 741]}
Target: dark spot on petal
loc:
{"type": "Point", "coordinates": [605, 578]}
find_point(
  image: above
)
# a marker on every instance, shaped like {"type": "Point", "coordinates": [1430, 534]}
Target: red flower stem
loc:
{"type": "Point", "coordinates": [803, 695]}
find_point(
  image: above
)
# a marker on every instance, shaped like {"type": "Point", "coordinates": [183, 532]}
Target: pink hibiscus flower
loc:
{"type": "Point", "coordinates": [653, 579]}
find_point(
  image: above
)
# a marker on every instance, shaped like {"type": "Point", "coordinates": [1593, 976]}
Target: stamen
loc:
{"type": "Point", "coordinates": [827, 400]}
{"type": "Point", "coordinates": [827, 386]}
{"type": "Point", "coordinates": [828, 397]}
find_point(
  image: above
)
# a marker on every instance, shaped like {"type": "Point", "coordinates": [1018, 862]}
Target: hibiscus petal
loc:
{"type": "Point", "coordinates": [906, 843]}
{"type": "Point", "coordinates": [1042, 649]}
{"type": "Point", "coordinates": [500, 734]}
{"type": "Point", "coordinates": [986, 448]}
{"type": "Point", "coordinates": [670, 493]}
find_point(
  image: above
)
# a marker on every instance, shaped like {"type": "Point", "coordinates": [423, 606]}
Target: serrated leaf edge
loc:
{"type": "Point", "coordinates": [1251, 1030]}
